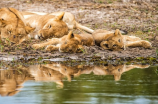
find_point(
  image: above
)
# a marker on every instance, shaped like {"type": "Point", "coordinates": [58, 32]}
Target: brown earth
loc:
{"type": "Point", "coordinates": [132, 17]}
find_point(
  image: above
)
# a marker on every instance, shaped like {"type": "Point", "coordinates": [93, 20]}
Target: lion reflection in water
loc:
{"type": "Point", "coordinates": [60, 71]}
{"type": "Point", "coordinates": [11, 80]}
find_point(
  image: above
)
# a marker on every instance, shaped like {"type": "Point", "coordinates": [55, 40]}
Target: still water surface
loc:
{"type": "Point", "coordinates": [88, 84]}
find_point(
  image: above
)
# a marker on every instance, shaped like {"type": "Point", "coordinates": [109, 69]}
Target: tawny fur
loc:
{"type": "Point", "coordinates": [67, 71]}
{"type": "Point", "coordinates": [41, 73]}
{"type": "Point", "coordinates": [68, 18]}
{"type": "Point", "coordinates": [69, 43]}
{"type": "Point", "coordinates": [117, 41]}
{"type": "Point", "coordinates": [12, 26]}
{"type": "Point", "coordinates": [11, 80]}
{"type": "Point", "coordinates": [75, 71]}
{"type": "Point", "coordinates": [132, 41]}
{"type": "Point", "coordinates": [116, 70]}
{"type": "Point", "coordinates": [47, 26]}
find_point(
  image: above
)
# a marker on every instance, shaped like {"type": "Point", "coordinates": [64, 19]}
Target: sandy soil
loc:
{"type": "Point", "coordinates": [132, 17]}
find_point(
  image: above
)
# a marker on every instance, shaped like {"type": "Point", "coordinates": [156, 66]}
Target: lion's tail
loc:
{"type": "Point", "coordinates": [78, 25]}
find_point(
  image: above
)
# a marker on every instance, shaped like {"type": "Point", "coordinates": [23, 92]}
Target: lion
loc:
{"type": "Point", "coordinates": [70, 43]}
{"type": "Point", "coordinates": [13, 28]}
{"type": "Point", "coordinates": [77, 70]}
{"type": "Point", "coordinates": [46, 26]}
{"type": "Point", "coordinates": [52, 28]}
{"type": "Point", "coordinates": [68, 18]}
{"type": "Point", "coordinates": [68, 71]}
{"type": "Point", "coordinates": [53, 72]}
{"type": "Point", "coordinates": [116, 70]}
{"type": "Point", "coordinates": [11, 80]}
{"type": "Point", "coordinates": [42, 73]}
{"type": "Point", "coordinates": [116, 41]}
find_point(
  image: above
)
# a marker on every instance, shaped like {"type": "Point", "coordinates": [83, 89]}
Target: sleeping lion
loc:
{"type": "Point", "coordinates": [116, 41]}
{"type": "Point", "coordinates": [13, 28]}
{"type": "Point", "coordinates": [50, 25]}
{"type": "Point", "coordinates": [106, 39]}
{"type": "Point", "coordinates": [70, 43]}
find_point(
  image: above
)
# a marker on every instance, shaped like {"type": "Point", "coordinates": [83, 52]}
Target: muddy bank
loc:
{"type": "Point", "coordinates": [133, 18]}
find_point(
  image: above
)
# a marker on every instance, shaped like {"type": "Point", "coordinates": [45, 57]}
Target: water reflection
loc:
{"type": "Point", "coordinates": [12, 79]}
{"type": "Point", "coordinates": [115, 70]}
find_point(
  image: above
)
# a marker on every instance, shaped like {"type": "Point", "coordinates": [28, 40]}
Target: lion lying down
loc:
{"type": "Point", "coordinates": [106, 39]}
{"type": "Point", "coordinates": [13, 28]}
{"type": "Point", "coordinates": [68, 18]}
{"type": "Point", "coordinates": [70, 43]}
{"type": "Point", "coordinates": [116, 41]}
{"type": "Point", "coordinates": [52, 25]}
{"type": "Point", "coordinates": [46, 26]}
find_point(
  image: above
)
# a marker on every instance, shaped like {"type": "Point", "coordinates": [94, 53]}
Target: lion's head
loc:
{"type": "Point", "coordinates": [114, 42]}
{"type": "Point", "coordinates": [55, 27]}
{"type": "Point", "coordinates": [12, 26]}
{"type": "Point", "coordinates": [115, 70]}
{"type": "Point", "coordinates": [70, 44]}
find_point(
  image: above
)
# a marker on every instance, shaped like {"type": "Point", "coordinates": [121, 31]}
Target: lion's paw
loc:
{"type": "Point", "coordinates": [36, 46]}
{"type": "Point", "coordinates": [146, 44]}
{"type": "Point", "coordinates": [50, 48]}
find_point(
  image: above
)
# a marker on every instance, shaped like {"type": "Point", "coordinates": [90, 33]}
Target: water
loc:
{"type": "Point", "coordinates": [95, 84]}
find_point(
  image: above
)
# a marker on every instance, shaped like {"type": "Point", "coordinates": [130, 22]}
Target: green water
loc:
{"type": "Point", "coordinates": [56, 84]}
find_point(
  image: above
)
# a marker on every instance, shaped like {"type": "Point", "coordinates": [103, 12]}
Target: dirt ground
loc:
{"type": "Point", "coordinates": [132, 17]}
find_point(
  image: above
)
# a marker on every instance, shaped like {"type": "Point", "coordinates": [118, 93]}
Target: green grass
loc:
{"type": "Point", "coordinates": [1, 46]}
{"type": "Point", "coordinates": [83, 51]}
{"type": "Point", "coordinates": [105, 1]}
{"type": "Point", "coordinates": [157, 51]}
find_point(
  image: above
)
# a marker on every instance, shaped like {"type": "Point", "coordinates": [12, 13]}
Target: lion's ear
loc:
{"type": "Point", "coordinates": [60, 16]}
{"type": "Point", "coordinates": [70, 77]}
{"type": "Point", "coordinates": [3, 22]}
{"type": "Point", "coordinates": [18, 14]}
{"type": "Point", "coordinates": [70, 35]}
{"type": "Point", "coordinates": [117, 32]}
{"type": "Point", "coordinates": [117, 77]}
{"type": "Point", "coordinates": [29, 29]}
